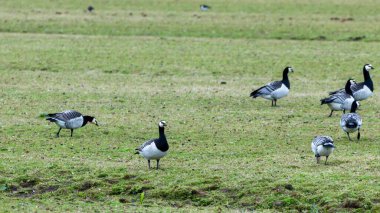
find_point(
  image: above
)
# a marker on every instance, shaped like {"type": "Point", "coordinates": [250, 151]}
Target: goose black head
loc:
{"type": "Point", "coordinates": [368, 67]}
{"type": "Point", "coordinates": [91, 119]}
{"type": "Point", "coordinates": [162, 124]}
{"type": "Point", "coordinates": [354, 106]}
{"type": "Point", "coordinates": [288, 69]}
{"type": "Point", "coordinates": [347, 88]}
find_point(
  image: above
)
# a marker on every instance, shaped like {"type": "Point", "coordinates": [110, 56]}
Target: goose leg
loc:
{"type": "Point", "coordinates": [331, 113]}
{"type": "Point", "coordinates": [344, 111]}
{"type": "Point", "coordinates": [318, 158]}
{"type": "Point", "coordinates": [358, 134]}
{"type": "Point", "coordinates": [149, 164]}
{"type": "Point", "coordinates": [326, 160]}
{"type": "Point", "coordinates": [348, 134]}
{"type": "Point", "coordinates": [58, 132]}
{"type": "Point", "coordinates": [158, 160]}
{"type": "Point", "coordinates": [272, 102]}
{"type": "Point", "coordinates": [275, 102]}
{"type": "Point", "coordinates": [72, 132]}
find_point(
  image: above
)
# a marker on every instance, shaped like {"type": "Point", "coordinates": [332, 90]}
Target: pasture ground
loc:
{"type": "Point", "coordinates": [133, 63]}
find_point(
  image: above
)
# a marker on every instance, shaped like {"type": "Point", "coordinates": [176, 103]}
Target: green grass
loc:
{"type": "Point", "coordinates": [227, 151]}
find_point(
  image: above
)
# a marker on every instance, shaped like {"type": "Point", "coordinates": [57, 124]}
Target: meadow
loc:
{"type": "Point", "coordinates": [133, 63]}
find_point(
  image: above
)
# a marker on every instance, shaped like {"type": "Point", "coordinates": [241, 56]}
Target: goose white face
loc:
{"type": "Point", "coordinates": [368, 67]}
{"type": "Point", "coordinates": [290, 69]}
{"type": "Point", "coordinates": [162, 124]}
{"type": "Point", "coordinates": [94, 121]}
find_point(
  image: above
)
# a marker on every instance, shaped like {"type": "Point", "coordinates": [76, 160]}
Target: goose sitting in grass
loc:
{"type": "Point", "coordinates": [70, 119]}
{"type": "Point", "coordinates": [322, 146]}
{"type": "Point", "coordinates": [363, 90]}
{"type": "Point", "coordinates": [351, 122]}
{"type": "Point", "coordinates": [341, 100]}
{"type": "Point", "coordinates": [276, 89]}
{"type": "Point", "coordinates": [155, 149]}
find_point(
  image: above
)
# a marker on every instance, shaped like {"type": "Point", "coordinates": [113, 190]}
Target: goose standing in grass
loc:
{"type": "Point", "coordinates": [276, 89]}
{"type": "Point", "coordinates": [204, 7]}
{"type": "Point", "coordinates": [156, 148]}
{"type": "Point", "coordinates": [322, 146]}
{"type": "Point", "coordinates": [341, 100]}
{"type": "Point", "coordinates": [351, 122]}
{"type": "Point", "coordinates": [363, 90]}
{"type": "Point", "coordinates": [70, 119]}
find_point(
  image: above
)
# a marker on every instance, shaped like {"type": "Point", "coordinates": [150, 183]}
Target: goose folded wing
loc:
{"type": "Point", "coordinates": [68, 115]}
{"type": "Point", "coordinates": [270, 87]}
{"type": "Point", "coordinates": [340, 97]}
{"type": "Point", "coordinates": [147, 143]}
{"type": "Point", "coordinates": [357, 87]}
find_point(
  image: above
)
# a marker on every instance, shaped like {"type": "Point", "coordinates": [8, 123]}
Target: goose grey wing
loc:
{"type": "Point", "coordinates": [349, 117]}
{"type": "Point", "coordinates": [357, 87]}
{"type": "Point", "coordinates": [270, 87]}
{"type": "Point", "coordinates": [341, 97]}
{"type": "Point", "coordinates": [147, 143]}
{"type": "Point", "coordinates": [67, 115]}
{"type": "Point", "coordinates": [319, 140]}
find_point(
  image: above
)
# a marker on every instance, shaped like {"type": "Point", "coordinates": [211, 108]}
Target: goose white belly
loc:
{"type": "Point", "coordinates": [268, 97]}
{"type": "Point", "coordinates": [350, 130]}
{"type": "Point", "coordinates": [322, 151]}
{"type": "Point", "coordinates": [362, 94]}
{"type": "Point", "coordinates": [60, 123]}
{"type": "Point", "coordinates": [335, 106]}
{"type": "Point", "coordinates": [152, 152]}
{"type": "Point", "coordinates": [347, 103]}
{"type": "Point", "coordinates": [280, 92]}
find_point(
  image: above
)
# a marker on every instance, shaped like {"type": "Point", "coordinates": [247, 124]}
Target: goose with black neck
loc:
{"type": "Point", "coordinates": [155, 149]}
{"type": "Point", "coordinates": [341, 100]}
{"type": "Point", "coordinates": [351, 122]}
{"type": "Point", "coordinates": [276, 89]}
{"type": "Point", "coordinates": [363, 90]}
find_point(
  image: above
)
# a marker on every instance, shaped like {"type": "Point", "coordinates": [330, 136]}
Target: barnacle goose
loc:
{"type": "Point", "coordinates": [155, 148]}
{"type": "Point", "coordinates": [322, 146]}
{"type": "Point", "coordinates": [204, 7]}
{"type": "Point", "coordinates": [70, 119]}
{"type": "Point", "coordinates": [351, 122]}
{"type": "Point", "coordinates": [363, 90]}
{"type": "Point", "coordinates": [341, 100]}
{"type": "Point", "coordinates": [276, 89]}
{"type": "Point", "coordinates": [90, 8]}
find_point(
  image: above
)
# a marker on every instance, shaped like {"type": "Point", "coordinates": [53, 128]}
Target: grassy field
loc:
{"type": "Point", "coordinates": [133, 63]}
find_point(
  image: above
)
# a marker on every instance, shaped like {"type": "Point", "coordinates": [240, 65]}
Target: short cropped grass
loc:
{"type": "Point", "coordinates": [228, 152]}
